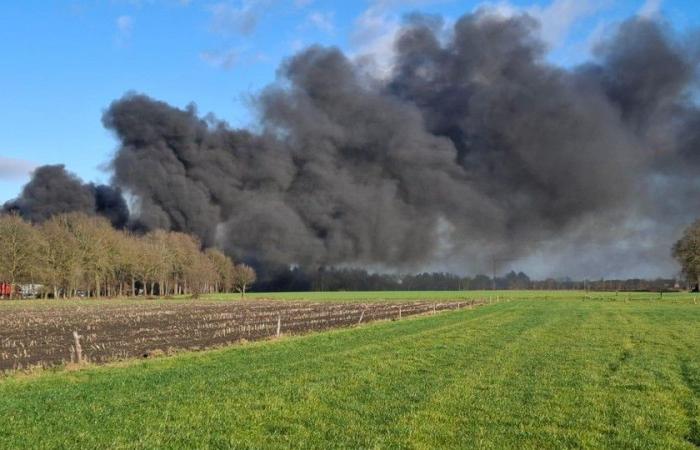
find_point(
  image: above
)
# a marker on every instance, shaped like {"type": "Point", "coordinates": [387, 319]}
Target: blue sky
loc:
{"type": "Point", "coordinates": [63, 62]}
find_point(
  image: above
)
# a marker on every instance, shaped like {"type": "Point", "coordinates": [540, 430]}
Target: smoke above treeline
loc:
{"type": "Point", "coordinates": [475, 150]}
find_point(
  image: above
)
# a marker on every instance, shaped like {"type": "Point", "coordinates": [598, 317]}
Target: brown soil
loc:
{"type": "Point", "coordinates": [44, 337]}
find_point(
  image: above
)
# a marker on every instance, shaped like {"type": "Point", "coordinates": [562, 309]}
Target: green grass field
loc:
{"type": "Point", "coordinates": [457, 295]}
{"type": "Point", "coordinates": [371, 296]}
{"type": "Point", "coordinates": [521, 374]}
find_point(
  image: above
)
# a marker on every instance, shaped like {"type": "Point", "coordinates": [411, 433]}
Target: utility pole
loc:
{"type": "Point", "coordinates": [493, 273]}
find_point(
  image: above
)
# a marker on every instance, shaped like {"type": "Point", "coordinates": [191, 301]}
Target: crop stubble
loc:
{"type": "Point", "coordinates": [44, 337]}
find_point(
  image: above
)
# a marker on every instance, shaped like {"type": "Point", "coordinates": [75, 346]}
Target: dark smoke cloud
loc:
{"type": "Point", "coordinates": [53, 190]}
{"type": "Point", "coordinates": [475, 150]}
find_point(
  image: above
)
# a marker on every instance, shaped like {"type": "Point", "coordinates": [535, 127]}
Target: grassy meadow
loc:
{"type": "Point", "coordinates": [560, 373]}
{"type": "Point", "coordinates": [489, 296]}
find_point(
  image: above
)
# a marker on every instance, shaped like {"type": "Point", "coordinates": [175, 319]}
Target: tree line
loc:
{"type": "Point", "coordinates": [75, 254]}
{"type": "Point", "coordinates": [687, 253]}
{"type": "Point", "coordinates": [348, 279]}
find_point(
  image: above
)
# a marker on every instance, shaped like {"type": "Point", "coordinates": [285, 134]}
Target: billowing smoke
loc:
{"type": "Point", "coordinates": [52, 190]}
{"type": "Point", "coordinates": [475, 150]}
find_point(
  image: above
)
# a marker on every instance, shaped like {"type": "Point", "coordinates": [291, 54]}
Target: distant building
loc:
{"type": "Point", "coordinates": [5, 290]}
{"type": "Point", "coordinates": [30, 290]}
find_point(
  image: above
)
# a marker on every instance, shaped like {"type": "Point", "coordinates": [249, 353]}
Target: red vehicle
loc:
{"type": "Point", "coordinates": [5, 290]}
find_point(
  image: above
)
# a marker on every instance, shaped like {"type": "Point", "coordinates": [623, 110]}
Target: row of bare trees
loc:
{"type": "Point", "coordinates": [75, 254]}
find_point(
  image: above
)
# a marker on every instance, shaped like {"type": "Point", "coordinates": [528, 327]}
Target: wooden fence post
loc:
{"type": "Point", "coordinates": [361, 316]}
{"type": "Point", "coordinates": [78, 348]}
{"type": "Point", "coordinates": [279, 324]}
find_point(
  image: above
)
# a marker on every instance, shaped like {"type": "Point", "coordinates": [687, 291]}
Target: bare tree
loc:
{"type": "Point", "coordinates": [243, 277]}
{"type": "Point", "coordinates": [163, 256]}
{"type": "Point", "coordinates": [687, 252]}
{"type": "Point", "coordinates": [19, 242]}
{"type": "Point", "coordinates": [75, 252]}
{"type": "Point", "coordinates": [62, 265]}
{"type": "Point", "coordinates": [223, 267]}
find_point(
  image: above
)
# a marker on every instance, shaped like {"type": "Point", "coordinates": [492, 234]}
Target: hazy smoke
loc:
{"type": "Point", "coordinates": [475, 149]}
{"type": "Point", "coordinates": [52, 190]}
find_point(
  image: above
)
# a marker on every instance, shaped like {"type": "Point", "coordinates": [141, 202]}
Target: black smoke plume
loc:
{"type": "Point", "coordinates": [475, 152]}
{"type": "Point", "coordinates": [53, 190]}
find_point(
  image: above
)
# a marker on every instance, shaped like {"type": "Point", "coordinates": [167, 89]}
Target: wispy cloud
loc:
{"type": "Point", "coordinates": [376, 29]}
{"type": "Point", "coordinates": [12, 169]}
{"type": "Point", "coordinates": [556, 19]}
{"type": "Point", "coordinates": [650, 8]}
{"type": "Point", "coordinates": [242, 18]}
{"type": "Point", "coordinates": [125, 27]}
{"type": "Point", "coordinates": [224, 60]}
{"type": "Point", "coordinates": [375, 33]}
{"type": "Point", "coordinates": [322, 21]}
{"type": "Point", "coordinates": [228, 59]}
{"type": "Point", "coordinates": [142, 3]}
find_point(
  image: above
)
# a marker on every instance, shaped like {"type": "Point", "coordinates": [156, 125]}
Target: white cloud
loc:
{"type": "Point", "coordinates": [560, 16]}
{"type": "Point", "coordinates": [596, 37]}
{"type": "Point", "coordinates": [125, 24]}
{"type": "Point", "coordinates": [556, 19]}
{"type": "Point", "coordinates": [142, 3]}
{"type": "Point", "coordinates": [231, 58]}
{"type": "Point", "coordinates": [224, 60]}
{"type": "Point", "coordinates": [650, 8]}
{"type": "Point", "coordinates": [15, 169]}
{"type": "Point", "coordinates": [243, 19]}
{"type": "Point", "coordinates": [125, 27]}
{"type": "Point", "coordinates": [374, 36]}
{"type": "Point", "coordinates": [322, 21]}
{"type": "Point", "coordinates": [297, 45]}
{"type": "Point", "coordinates": [376, 31]}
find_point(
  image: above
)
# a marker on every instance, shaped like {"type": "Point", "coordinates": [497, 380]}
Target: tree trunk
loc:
{"type": "Point", "coordinates": [133, 286]}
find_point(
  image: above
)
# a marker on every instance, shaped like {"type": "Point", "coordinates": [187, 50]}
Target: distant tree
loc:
{"type": "Point", "coordinates": [19, 247]}
{"type": "Point", "coordinates": [93, 235]}
{"type": "Point", "coordinates": [243, 277]}
{"type": "Point", "coordinates": [202, 274]}
{"type": "Point", "coordinates": [130, 265]}
{"type": "Point", "coordinates": [687, 252]}
{"type": "Point", "coordinates": [62, 264]}
{"type": "Point", "coordinates": [518, 280]}
{"type": "Point", "coordinates": [223, 267]}
{"type": "Point", "coordinates": [481, 282]}
{"type": "Point", "coordinates": [185, 250]}
{"type": "Point", "coordinates": [162, 256]}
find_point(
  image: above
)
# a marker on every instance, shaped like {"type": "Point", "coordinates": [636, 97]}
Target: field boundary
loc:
{"type": "Point", "coordinates": [63, 337]}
